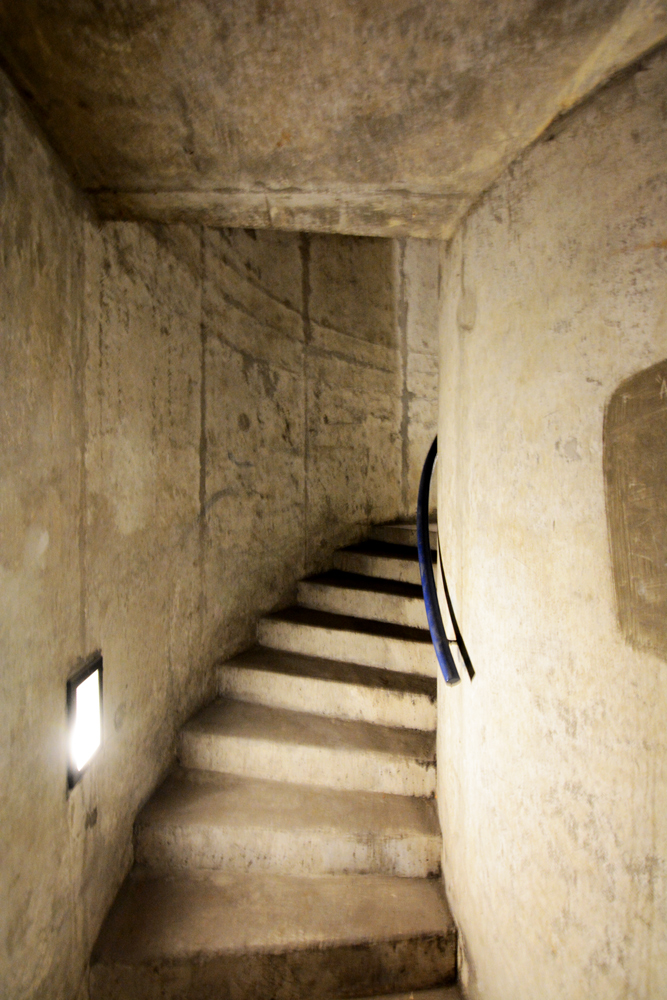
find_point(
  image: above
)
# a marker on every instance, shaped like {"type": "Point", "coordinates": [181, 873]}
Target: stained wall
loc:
{"type": "Point", "coordinates": [392, 121]}
{"type": "Point", "coordinates": [552, 762]}
{"type": "Point", "coordinates": [191, 420]}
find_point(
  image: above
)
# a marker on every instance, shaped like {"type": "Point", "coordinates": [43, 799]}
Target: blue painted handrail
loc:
{"type": "Point", "coordinates": [435, 623]}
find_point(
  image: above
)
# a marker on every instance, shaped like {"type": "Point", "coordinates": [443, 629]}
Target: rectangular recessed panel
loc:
{"type": "Point", "coordinates": [635, 468]}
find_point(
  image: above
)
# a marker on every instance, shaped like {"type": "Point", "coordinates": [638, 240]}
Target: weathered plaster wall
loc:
{"type": "Point", "coordinates": [190, 420]}
{"type": "Point", "coordinates": [419, 282]}
{"type": "Point", "coordinates": [316, 348]}
{"type": "Point", "coordinates": [552, 762]}
{"type": "Point", "coordinates": [44, 837]}
{"type": "Point", "coordinates": [99, 480]}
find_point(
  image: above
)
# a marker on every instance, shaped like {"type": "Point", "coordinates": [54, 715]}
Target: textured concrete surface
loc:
{"type": "Point", "coordinates": [330, 687]}
{"type": "Point", "coordinates": [200, 819]}
{"type": "Point", "coordinates": [190, 421]}
{"type": "Point", "coordinates": [353, 640]}
{"type": "Point", "coordinates": [268, 936]}
{"type": "Point", "coordinates": [553, 800]}
{"type": "Point", "coordinates": [382, 119]}
{"type": "Point", "coordinates": [262, 742]}
{"type": "Point", "coordinates": [419, 289]}
{"type": "Point", "coordinates": [309, 354]}
{"type": "Point", "coordinates": [49, 844]}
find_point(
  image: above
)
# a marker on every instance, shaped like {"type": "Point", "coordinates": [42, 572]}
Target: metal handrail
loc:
{"type": "Point", "coordinates": [436, 627]}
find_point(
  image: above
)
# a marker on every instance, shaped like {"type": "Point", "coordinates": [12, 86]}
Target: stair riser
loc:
{"type": "Point", "coordinates": [399, 535]}
{"type": "Point", "coordinates": [320, 766]}
{"type": "Point", "coordinates": [301, 852]}
{"type": "Point", "coordinates": [316, 973]}
{"type": "Point", "coordinates": [351, 647]}
{"type": "Point", "coordinates": [381, 568]}
{"type": "Point", "coordinates": [363, 604]}
{"type": "Point", "coordinates": [328, 698]}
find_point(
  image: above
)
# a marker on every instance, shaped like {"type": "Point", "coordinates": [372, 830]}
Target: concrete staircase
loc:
{"type": "Point", "coordinates": [293, 852]}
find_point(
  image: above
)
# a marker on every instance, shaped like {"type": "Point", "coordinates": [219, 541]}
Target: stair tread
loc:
{"type": "Point", "coordinates": [335, 671]}
{"type": "Point", "coordinates": [209, 798]}
{"type": "Point", "coordinates": [206, 913]}
{"type": "Point", "coordinates": [346, 623]}
{"type": "Point", "coordinates": [386, 550]}
{"type": "Point", "coordinates": [226, 718]}
{"type": "Point", "coordinates": [356, 581]}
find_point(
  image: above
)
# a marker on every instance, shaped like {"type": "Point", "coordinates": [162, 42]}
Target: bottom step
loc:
{"type": "Point", "coordinates": [272, 937]}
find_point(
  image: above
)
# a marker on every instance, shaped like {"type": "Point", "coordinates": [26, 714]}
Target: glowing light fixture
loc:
{"type": "Point", "coordinates": [84, 717]}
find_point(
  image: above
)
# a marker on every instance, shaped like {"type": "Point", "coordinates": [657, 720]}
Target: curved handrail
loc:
{"type": "Point", "coordinates": [435, 623]}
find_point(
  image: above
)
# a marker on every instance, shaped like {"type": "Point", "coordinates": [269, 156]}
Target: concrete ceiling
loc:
{"type": "Point", "coordinates": [378, 117]}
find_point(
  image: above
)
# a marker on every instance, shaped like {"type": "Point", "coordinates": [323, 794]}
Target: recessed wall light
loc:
{"type": "Point", "coordinates": [84, 717]}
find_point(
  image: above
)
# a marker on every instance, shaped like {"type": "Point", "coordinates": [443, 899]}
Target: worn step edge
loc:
{"type": "Point", "coordinates": [278, 744]}
{"type": "Point", "coordinates": [298, 665]}
{"type": "Point", "coordinates": [401, 534]}
{"type": "Point", "coordinates": [388, 550]}
{"type": "Point", "coordinates": [320, 595]}
{"type": "Point", "coordinates": [358, 582]}
{"type": "Point", "coordinates": [244, 936]}
{"type": "Point", "coordinates": [377, 566]}
{"type": "Point", "coordinates": [226, 822]}
{"type": "Point", "coordinates": [321, 766]}
{"type": "Point", "coordinates": [352, 640]}
{"type": "Point", "coordinates": [341, 691]}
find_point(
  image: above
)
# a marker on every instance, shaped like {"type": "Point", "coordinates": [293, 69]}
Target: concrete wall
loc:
{"type": "Point", "coordinates": [189, 421]}
{"type": "Point", "coordinates": [47, 841]}
{"type": "Point", "coordinates": [552, 761]}
{"type": "Point", "coordinates": [419, 298]}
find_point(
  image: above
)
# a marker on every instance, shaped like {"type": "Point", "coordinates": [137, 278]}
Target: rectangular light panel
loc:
{"type": "Point", "coordinates": [84, 716]}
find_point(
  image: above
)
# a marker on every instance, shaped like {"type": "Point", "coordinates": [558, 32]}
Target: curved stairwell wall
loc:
{"type": "Point", "coordinates": [191, 420]}
{"type": "Point", "coordinates": [552, 784]}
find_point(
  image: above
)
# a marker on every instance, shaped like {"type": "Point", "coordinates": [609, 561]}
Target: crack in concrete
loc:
{"type": "Point", "coordinates": [304, 249]}
{"type": "Point", "coordinates": [203, 527]}
{"type": "Point", "coordinates": [402, 321]}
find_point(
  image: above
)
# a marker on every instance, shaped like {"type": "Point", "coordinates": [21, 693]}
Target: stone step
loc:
{"type": "Point", "coordinates": [364, 597]}
{"type": "Point", "coordinates": [279, 745]}
{"type": "Point", "coordinates": [329, 687]}
{"type": "Point", "coordinates": [272, 937]}
{"type": "Point", "coordinates": [352, 640]}
{"type": "Point", "coordinates": [401, 534]}
{"type": "Point", "coordinates": [203, 819]}
{"type": "Point", "coordinates": [380, 559]}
